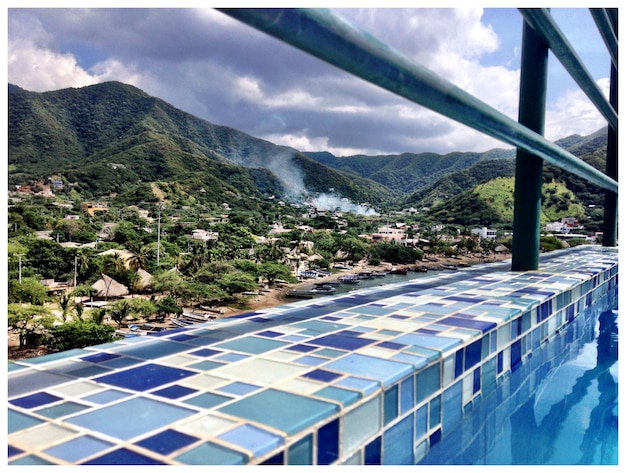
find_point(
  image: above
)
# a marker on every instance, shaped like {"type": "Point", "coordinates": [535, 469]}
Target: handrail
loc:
{"type": "Point", "coordinates": [334, 40]}
{"type": "Point", "coordinates": [543, 23]}
{"type": "Point", "coordinates": [603, 22]}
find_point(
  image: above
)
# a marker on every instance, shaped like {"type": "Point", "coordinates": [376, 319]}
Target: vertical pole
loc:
{"type": "Point", "coordinates": [610, 198]}
{"type": "Point", "coordinates": [19, 269]}
{"type": "Point", "coordinates": [159, 236]}
{"type": "Point", "coordinates": [528, 167]}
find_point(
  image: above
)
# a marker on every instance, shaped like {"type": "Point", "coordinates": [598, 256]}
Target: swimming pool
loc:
{"type": "Point", "coordinates": [560, 408]}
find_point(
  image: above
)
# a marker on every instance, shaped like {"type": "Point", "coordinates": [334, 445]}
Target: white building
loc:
{"type": "Point", "coordinates": [484, 232]}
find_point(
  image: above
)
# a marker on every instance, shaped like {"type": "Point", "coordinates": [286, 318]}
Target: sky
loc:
{"type": "Point", "coordinates": [210, 65]}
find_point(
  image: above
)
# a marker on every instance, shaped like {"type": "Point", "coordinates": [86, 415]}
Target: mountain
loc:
{"type": "Point", "coordinates": [111, 137]}
{"type": "Point", "coordinates": [408, 171]}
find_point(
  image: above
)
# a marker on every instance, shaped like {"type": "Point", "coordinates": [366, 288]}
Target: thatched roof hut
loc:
{"type": "Point", "coordinates": [108, 287]}
{"type": "Point", "coordinates": [144, 279]}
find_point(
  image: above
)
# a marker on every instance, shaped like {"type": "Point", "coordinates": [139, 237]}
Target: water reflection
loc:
{"type": "Point", "coordinates": [509, 426]}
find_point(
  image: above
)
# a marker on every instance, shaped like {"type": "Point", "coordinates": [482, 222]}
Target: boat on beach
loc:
{"type": "Point", "coordinates": [349, 279]}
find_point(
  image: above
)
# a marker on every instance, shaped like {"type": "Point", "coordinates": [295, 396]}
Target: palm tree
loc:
{"type": "Point", "coordinates": [65, 303]}
{"type": "Point", "coordinates": [140, 259]}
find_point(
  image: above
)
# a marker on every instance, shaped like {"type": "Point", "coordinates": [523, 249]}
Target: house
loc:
{"type": "Point", "coordinates": [485, 232]}
{"type": "Point", "coordinates": [93, 207]}
{"type": "Point", "coordinates": [204, 235]}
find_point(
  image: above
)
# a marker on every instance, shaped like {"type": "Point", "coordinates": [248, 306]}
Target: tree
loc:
{"type": "Point", "coordinates": [274, 271]}
{"type": "Point", "coordinates": [30, 290]}
{"type": "Point", "coordinates": [79, 334]}
{"type": "Point", "coordinates": [167, 306]}
{"type": "Point", "coordinates": [235, 283]}
{"type": "Point", "coordinates": [119, 311]}
{"type": "Point", "coordinates": [65, 302]}
{"type": "Point", "coordinates": [30, 321]}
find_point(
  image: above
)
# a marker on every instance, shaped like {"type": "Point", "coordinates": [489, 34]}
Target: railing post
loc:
{"type": "Point", "coordinates": [610, 198]}
{"type": "Point", "coordinates": [528, 167]}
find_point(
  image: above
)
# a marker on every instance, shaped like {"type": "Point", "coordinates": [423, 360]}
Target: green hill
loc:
{"type": "Point", "coordinates": [110, 137]}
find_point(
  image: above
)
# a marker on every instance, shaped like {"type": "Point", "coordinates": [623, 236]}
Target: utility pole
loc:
{"type": "Point", "coordinates": [75, 268]}
{"type": "Point", "coordinates": [160, 207]}
{"type": "Point", "coordinates": [19, 256]}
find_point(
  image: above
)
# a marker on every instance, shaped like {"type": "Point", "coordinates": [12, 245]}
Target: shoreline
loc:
{"type": "Point", "coordinates": [278, 296]}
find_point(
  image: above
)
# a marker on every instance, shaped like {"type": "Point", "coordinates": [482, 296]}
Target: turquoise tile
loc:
{"type": "Point", "coordinates": [212, 454]}
{"type": "Point", "coordinates": [252, 345]}
{"type": "Point", "coordinates": [344, 396]}
{"type": "Point", "coordinates": [61, 410]}
{"type": "Point", "coordinates": [251, 438]}
{"type": "Point", "coordinates": [361, 423]}
{"type": "Point", "coordinates": [281, 410]}
{"type": "Point", "coordinates": [18, 421]}
{"type": "Point", "coordinates": [207, 400]}
{"type": "Point", "coordinates": [301, 452]}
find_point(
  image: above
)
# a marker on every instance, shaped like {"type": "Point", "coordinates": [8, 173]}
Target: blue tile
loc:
{"type": "Point", "coordinates": [302, 348]}
{"type": "Point", "coordinates": [167, 441]}
{"type": "Point", "coordinates": [367, 386]}
{"type": "Point", "coordinates": [100, 357]}
{"type": "Point", "coordinates": [468, 323]}
{"type": "Point", "coordinates": [269, 334]}
{"type": "Point", "coordinates": [407, 394]}
{"type": "Point", "coordinates": [429, 341]}
{"type": "Point", "coordinates": [311, 360]}
{"type": "Point", "coordinates": [76, 449]}
{"type": "Point", "coordinates": [105, 397]}
{"type": "Point", "coordinates": [238, 388]}
{"type": "Point", "coordinates": [328, 443]}
{"type": "Point", "coordinates": [206, 365]}
{"type": "Point", "coordinates": [385, 371]}
{"type": "Point", "coordinates": [398, 443]}
{"type": "Point", "coordinates": [473, 353]}
{"type": "Point", "coordinates": [254, 439]}
{"type": "Point", "coordinates": [231, 357]}
{"type": "Point", "coordinates": [135, 416]}
{"type": "Point", "coordinates": [284, 411]}
{"type": "Point", "coordinates": [144, 377]}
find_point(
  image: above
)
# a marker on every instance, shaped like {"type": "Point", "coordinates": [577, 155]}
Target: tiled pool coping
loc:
{"type": "Point", "coordinates": [371, 377]}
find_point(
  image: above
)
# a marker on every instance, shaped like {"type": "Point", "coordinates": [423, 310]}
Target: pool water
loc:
{"type": "Point", "coordinates": [559, 408]}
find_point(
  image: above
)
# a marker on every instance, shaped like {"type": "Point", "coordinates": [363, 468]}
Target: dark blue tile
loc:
{"type": "Point", "coordinates": [342, 342]}
{"type": "Point", "coordinates": [322, 375]}
{"type": "Point", "coordinates": [123, 456]}
{"type": "Point", "coordinates": [167, 441]}
{"type": "Point", "coordinates": [174, 392]}
{"type": "Point", "coordinates": [35, 400]}
{"type": "Point", "coordinates": [473, 354]}
{"type": "Point", "coordinates": [14, 451]}
{"type": "Point", "coordinates": [391, 345]}
{"type": "Point", "coordinates": [270, 334]}
{"type": "Point", "coordinates": [145, 377]}
{"type": "Point", "coordinates": [278, 459]}
{"type": "Point", "coordinates": [100, 357]}
{"type": "Point", "coordinates": [206, 352]}
{"type": "Point", "coordinates": [301, 348]}
{"type": "Point", "coordinates": [372, 453]}
{"type": "Point", "coordinates": [328, 443]}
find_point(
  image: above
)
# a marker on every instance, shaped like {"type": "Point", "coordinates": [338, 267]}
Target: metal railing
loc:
{"type": "Point", "coordinates": [331, 38]}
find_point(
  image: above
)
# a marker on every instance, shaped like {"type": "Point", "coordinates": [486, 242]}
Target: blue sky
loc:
{"type": "Point", "coordinates": [211, 66]}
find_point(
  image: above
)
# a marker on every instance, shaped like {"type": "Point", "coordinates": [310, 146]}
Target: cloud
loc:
{"type": "Point", "coordinates": [216, 68]}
